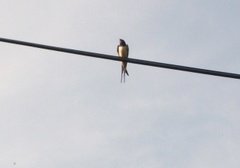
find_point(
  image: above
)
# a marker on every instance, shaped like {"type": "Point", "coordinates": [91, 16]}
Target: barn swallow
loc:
{"type": "Point", "coordinates": [123, 50]}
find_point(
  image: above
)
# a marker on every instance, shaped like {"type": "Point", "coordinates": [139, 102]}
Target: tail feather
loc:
{"type": "Point", "coordinates": [126, 72]}
{"type": "Point", "coordinates": [123, 72]}
{"type": "Point", "coordinates": [124, 69]}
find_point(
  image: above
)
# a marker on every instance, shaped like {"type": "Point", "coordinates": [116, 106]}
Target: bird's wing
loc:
{"type": "Point", "coordinates": [118, 49]}
{"type": "Point", "coordinates": [127, 50]}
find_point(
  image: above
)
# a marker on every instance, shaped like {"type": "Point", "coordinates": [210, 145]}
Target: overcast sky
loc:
{"type": "Point", "coordinates": [61, 110]}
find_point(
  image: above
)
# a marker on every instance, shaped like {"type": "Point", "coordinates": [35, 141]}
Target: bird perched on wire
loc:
{"type": "Point", "coordinates": [123, 51]}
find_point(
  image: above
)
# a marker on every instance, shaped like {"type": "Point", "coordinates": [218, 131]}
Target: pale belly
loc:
{"type": "Point", "coordinates": [123, 51]}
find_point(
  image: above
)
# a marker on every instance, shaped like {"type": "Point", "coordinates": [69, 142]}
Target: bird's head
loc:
{"type": "Point", "coordinates": [122, 42]}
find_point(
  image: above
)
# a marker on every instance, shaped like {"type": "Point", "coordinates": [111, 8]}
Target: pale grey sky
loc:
{"type": "Point", "coordinates": [60, 110]}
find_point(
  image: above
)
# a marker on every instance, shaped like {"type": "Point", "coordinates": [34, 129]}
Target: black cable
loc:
{"type": "Point", "coordinates": [131, 60]}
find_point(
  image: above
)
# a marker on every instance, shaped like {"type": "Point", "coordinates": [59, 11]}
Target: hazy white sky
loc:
{"type": "Point", "coordinates": [60, 110]}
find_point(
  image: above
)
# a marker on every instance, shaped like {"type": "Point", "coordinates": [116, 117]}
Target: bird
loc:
{"type": "Point", "coordinates": [123, 50]}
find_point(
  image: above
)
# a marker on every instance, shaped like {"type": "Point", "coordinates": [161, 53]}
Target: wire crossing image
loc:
{"type": "Point", "coordinates": [130, 60]}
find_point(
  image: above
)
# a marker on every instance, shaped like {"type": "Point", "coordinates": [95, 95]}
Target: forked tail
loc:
{"type": "Point", "coordinates": [123, 74]}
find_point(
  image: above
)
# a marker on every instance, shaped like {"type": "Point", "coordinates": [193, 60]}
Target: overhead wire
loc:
{"type": "Point", "coordinates": [130, 60]}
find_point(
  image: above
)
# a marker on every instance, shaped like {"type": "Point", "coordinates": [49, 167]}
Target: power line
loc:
{"type": "Point", "coordinates": [131, 60]}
